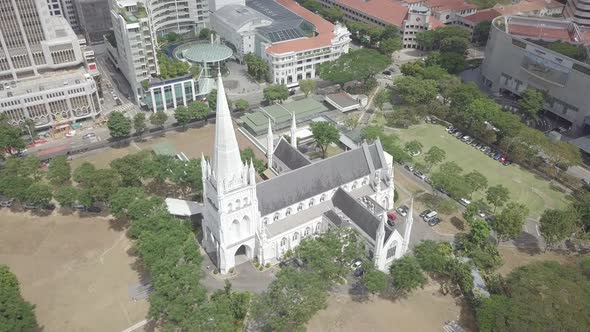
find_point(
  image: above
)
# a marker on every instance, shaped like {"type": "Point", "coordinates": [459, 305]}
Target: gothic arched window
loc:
{"type": "Point", "coordinates": [283, 242]}
{"type": "Point", "coordinates": [354, 185]}
{"type": "Point", "coordinates": [317, 228]}
{"type": "Point", "coordinates": [276, 217]}
{"type": "Point", "coordinates": [365, 181]}
{"type": "Point", "coordinates": [307, 231]}
{"type": "Point", "coordinates": [237, 203]}
{"type": "Point", "coordinates": [295, 236]}
{"type": "Point", "coordinates": [229, 207]}
{"type": "Point", "coordinates": [300, 207]}
{"type": "Point", "coordinates": [265, 221]}
{"type": "Point", "coordinates": [311, 202]}
{"type": "Point", "coordinates": [323, 197]}
{"type": "Point", "coordinates": [288, 211]}
{"type": "Point", "coordinates": [245, 201]}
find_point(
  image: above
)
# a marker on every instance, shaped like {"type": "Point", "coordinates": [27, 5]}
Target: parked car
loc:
{"type": "Point", "coordinates": [458, 134]}
{"type": "Point", "coordinates": [359, 272]}
{"type": "Point", "coordinates": [420, 175]}
{"type": "Point", "coordinates": [409, 168]}
{"type": "Point", "coordinates": [391, 219]}
{"type": "Point", "coordinates": [465, 138]}
{"type": "Point", "coordinates": [430, 215]}
{"type": "Point", "coordinates": [89, 135]}
{"type": "Point", "coordinates": [506, 162]}
{"type": "Point", "coordinates": [586, 181]}
{"type": "Point", "coordinates": [451, 128]}
{"type": "Point", "coordinates": [434, 221]}
{"type": "Point", "coordinates": [29, 206]}
{"type": "Point", "coordinates": [6, 202]}
{"type": "Point", "coordinates": [79, 207]}
{"type": "Point", "coordinates": [357, 263]}
{"type": "Point", "coordinates": [464, 201]}
{"type": "Point", "coordinates": [403, 210]}
{"type": "Point", "coordinates": [424, 213]}
{"type": "Point", "coordinates": [49, 207]}
{"type": "Point", "coordinates": [387, 73]}
{"type": "Point", "coordinates": [94, 209]}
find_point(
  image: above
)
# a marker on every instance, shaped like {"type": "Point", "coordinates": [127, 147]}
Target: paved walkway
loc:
{"type": "Point", "coordinates": [247, 278]}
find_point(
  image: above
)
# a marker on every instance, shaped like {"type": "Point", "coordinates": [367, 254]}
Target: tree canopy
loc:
{"type": "Point", "coordinates": [360, 64]}
{"type": "Point", "coordinates": [10, 137]}
{"type": "Point", "coordinates": [275, 92]}
{"type": "Point", "coordinates": [307, 86]}
{"type": "Point", "coordinates": [415, 91]}
{"type": "Point", "coordinates": [257, 67]}
{"type": "Point", "coordinates": [407, 274]}
{"type": "Point", "coordinates": [16, 314]}
{"type": "Point", "coordinates": [119, 126]}
{"type": "Point", "coordinates": [324, 133]}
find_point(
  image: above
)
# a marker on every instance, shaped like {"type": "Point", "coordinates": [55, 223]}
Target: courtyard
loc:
{"type": "Point", "coordinates": [525, 187]}
{"type": "Point", "coordinates": [75, 270]}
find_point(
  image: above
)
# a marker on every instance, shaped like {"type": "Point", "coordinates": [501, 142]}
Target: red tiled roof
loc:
{"type": "Point", "coordinates": [435, 23]}
{"type": "Point", "coordinates": [385, 10]}
{"type": "Point", "coordinates": [527, 6]}
{"type": "Point", "coordinates": [323, 28]}
{"type": "Point", "coordinates": [412, 1]}
{"type": "Point", "coordinates": [540, 32]}
{"type": "Point", "coordinates": [482, 15]}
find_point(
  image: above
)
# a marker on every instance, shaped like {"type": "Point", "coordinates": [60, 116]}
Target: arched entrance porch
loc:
{"type": "Point", "coordinates": [242, 255]}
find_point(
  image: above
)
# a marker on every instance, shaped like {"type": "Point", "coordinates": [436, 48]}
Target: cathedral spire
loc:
{"type": "Point", "coordinates": [294, 131]}
{"type": "Point", "coordinates": [226, 161]}
{"type": "Point", "coordinates": [269, 144]}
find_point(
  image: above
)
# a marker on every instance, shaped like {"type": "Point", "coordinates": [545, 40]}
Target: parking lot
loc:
{"type": "Point", "coordinates": [533, 191]}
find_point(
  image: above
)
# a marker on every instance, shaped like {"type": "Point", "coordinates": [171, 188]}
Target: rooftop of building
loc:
{"type": "Point", "coordinates": [281, 114]}
{"type": "Point", "coordinates": [323, 30]}
{"type": "Point", "coordinates": [385, 10]}
{"type": "Point", "coordinates": [59, 28]}
{"type": "Point", "coordinates": [527, 6]}
{"type": "Point", "coordinates": [47, 81]}
{"type": "Point", "coordinates": [545, 29]}
{"type": "Point", "coordinates": [482, 15]}
{"type": "Point", "coordinates": [236, 16]}
{"type": "Point", "coordinates": [286, 24]}
{"type": "Point", "coordinates": [448, 5]}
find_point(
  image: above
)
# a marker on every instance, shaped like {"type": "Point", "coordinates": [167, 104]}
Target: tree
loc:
{"type": "Point", "coordinates": [332, 14]}
{"type": "Point", "coordinates": [415, 69]}
{"type": "Point", "coordinates": [66, 196]}
{"type": "Point", "coordinates": [158, 119]}
{"type": "Point", "coordinates": [432, 256]}
{"type": "Point", "coordinates": [454, 45]}
{"type": "Point", "coordinates": [104, 184]}
{"type": "Point", "coordinates": [198, 110]}
{"type": "Point", "coordinates": [557, 225]}
{"type": "Point", "coordinates": [324, 133]}
{"type": "Point", "coordinates": [508, 224]}
{"type": "Point", "coordinates": [84, 173]}
{"type": "Point", "coordinates": [31, 167]}
{"type": "Point", "coordinates": [289, 302]}
{"type": "Point", "coordinates": [17, 314]}
{"type": "Point", "coordinates": [119, 126]}
{"type": "Point", "coordinates": [122, 199]}
{"type": "Point", "coordinates": [426, 39]}
{"type": "Point", "coordinates": [205, 33]}
{"type": "Point", "coordinates": [434, 156]}
{"type": "Point", "coordinates": [361, 64]}
{"type": "Point", "coordinates": [479, 233]}
{"type": "Point", "coordinates": [390, 45]}
{"type": "Point", "coordinates": [183, 115]}
{"type": "Point", "coordinates": [59, 170]}
{"type": "Point", "coordinates": [371, 133]}
{"type": "Point", "coordinates": [532, 102]}
{"type": "Point", "coordinates": [497, 195]}
{"type": "Point", "coordinates": [275, 92]}
{"type": "Point", "coordinates": [375, 281]}
{"type": "Point", "coordinates": [481, 32]}
{"type": "Point", "coordinates": [307, 86]}
{"type": "Point", "coordinates": [29, 127]}
{"type": "Point", "coordinates": [416, 91]}
{"type": "Point", "coordinates": [10, 137]}
{"type": "Point", "coordinates": [247, 155]}
{"type": "Point", "coordinates": [407, 274]}
{"type": "Point", "coordinates": [171, 68]}
{"type": "Point", "coordinates": [542, 296]}
{"type": "Point", "coordinates": [15, 186]}
{"type": "Point", "coordinates": [453, 62]}
{"type": "Point", "coordinates": [381, 98]}
{"type": "Point", "coordinates": [562, 154]}
{"type": "Point", "coordinates": [131, 168]}
{"type": "Point", "coordinates": [242, 105]}
{"type": "Point", "coordinates": [38, 195]}
{"type": "Point", "coordinates": [257, 66]}
{"type": "Point", "coordinates": [476, 180]}
{"type": "Point", "coordinates": [413, 147]}
{"type": "Point", "coordinates": [570, 50]}
{"type": "Point", "coordinates": [139, 123]}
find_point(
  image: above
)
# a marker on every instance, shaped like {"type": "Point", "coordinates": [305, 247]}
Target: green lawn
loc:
{"type": "Point", "coordinates": [524, 186]}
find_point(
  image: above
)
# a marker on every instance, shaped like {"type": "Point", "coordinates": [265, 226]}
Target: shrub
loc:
{"type": "Point", "coordinates": [261, 268]}
{"type": "Point", "coordinates": [231, 270]}
{"type": "Point", "coordinates": [267, 265]}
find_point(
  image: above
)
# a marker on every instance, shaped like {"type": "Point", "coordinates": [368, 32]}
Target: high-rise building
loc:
{"type": "Point", "coordinates": [138, 23]}
{"type": "Point", "coordinates": [42, 74]}
{"type": "Point", "coordinates": [94, 18]}
{"type": "Point", "coordinates": [66, 9]}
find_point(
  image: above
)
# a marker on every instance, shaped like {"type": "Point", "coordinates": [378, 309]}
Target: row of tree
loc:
{"type": "Point", "coordinates": [449, 43]}
{"type": "Point", "coordinates": [571, 222]}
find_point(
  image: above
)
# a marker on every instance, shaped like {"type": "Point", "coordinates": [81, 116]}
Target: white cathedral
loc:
{"type": "Point", "coordinates": [265, 220]}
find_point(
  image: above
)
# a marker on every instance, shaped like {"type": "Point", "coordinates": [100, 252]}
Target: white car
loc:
{"type": "Point", "coordinates": [464, 201]}
{"type": "Point", "coordinates": [356, 264]}
{"type": "Point", "coordinates": [402, 210]}
{"type": "Point", "coordinates": [71, 133]}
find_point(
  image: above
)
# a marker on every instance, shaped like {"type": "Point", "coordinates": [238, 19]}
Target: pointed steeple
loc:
{"type": "Point", "coordinates": [408, 231]}
{"type": "Point", "coordinates": [226, 161]}
{"type": "Point", "coordinates": [269, 144]}
{"type": "Point", "coordinates": [294, 131]}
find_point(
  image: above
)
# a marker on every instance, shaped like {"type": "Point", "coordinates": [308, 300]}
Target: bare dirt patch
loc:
{"type": "Point", "coordinates": [192, 142]}
{"type": "Point", "coordinates": [513, 257]}
{"type": "Point", "coordinates": [424, 310]}
{"type": "Point", "coordinates": [74, 270]}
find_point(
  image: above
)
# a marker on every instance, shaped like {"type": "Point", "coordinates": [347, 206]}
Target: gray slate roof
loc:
{"type": "Point", "coordinates": [290, 156]}
{"type": "Point", "coordinates": [358, 214]}
{"type": "Point", "coordinates": [237, 16]}
{"type": "Point", "coordinates": [307, 181]}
